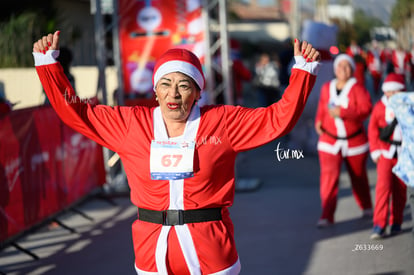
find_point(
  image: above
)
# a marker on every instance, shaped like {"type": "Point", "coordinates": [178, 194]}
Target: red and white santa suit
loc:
{"type": "Point", "coordinates": [401, 61]}
{"type": "Point", "coordinates": [384, 153]}
{"type": "Point", "coordinates": [374, 65]}
{"type": "Point", "coordinates": [219, 134]}
{"type": "Point", "coordinates": [359, 57]}
{"type": "Point", "coordinates": [354, 49]}
{"type": "Point", "coordinates": [343, 139]}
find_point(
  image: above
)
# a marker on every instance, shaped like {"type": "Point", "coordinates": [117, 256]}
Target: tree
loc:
{"type": "Point", "coordinates": [402, 21]}
{"type": "Point", "coordinates": [346, 33]}
{"type": "Point", "coordinates": [359, 30]}
{"type": "Point", "coordinates": [19, 28]}
{"type": "Point", "coordinates": [402, 11]}
{"type": "Point", "coordinates": [363, 25]}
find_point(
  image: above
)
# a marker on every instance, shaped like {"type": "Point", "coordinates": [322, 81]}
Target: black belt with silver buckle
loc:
{"type": "Point", "coordinates": [179, 217]}
{"type": "Point", "coordinates": [343, 138]}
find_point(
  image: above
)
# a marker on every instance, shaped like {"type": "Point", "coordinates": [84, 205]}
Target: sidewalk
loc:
{"type": "Point", "coordinates": [274, 229]}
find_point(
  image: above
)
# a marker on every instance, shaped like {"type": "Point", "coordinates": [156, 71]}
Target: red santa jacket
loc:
{"type": "Point", "coordinates": [223, 132]}
{"type": "Point", "coordinates": [381, 117]}
{"type": "Point", "coordinates": [355, 103]}
{"type": "Point", "coordinates": [354, 50]}
{"type": "Point", "coordinates": [374, 63]}
{"type": "Point", "coordinates": [401, 61]}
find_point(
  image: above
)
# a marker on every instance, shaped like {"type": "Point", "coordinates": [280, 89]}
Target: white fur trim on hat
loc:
{"type": "Point", "coordinates": [346, 57]}
{"type": "Point", "coordinates": [393, 82]}
{"type": "Point", "coordinates": [182, 67]}
{"type": "Point", "coordinates": [392, 86]}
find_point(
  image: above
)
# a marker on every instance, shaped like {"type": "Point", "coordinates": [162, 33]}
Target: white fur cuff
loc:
{"type": "Point", "coordinates": [310, 67]}
{"type": "Point", "coordinates": [45, 59]}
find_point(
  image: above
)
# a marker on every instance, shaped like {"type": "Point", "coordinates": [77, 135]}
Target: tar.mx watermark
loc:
{"type": "Point", "coordinates": [282, 153]}
{"type": "Point", "coordinates": [73, 99]}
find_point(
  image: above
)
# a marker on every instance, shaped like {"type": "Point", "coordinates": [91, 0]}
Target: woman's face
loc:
{"type": "Point", "coordinates": [391, 93]}
{"type": "Point", "coordinates": [343, 70]}
{"type": "Point", "coordinates": [176, 94]}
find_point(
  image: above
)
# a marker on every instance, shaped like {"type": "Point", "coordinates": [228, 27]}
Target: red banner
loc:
{"type": "Point", "coordinates": [44, 167]}
{"type": "Point", "coordinates": [147, 29]}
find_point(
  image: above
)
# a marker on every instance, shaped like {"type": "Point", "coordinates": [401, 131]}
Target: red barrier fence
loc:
{"type": "Point", "coordinates": [45, 167]}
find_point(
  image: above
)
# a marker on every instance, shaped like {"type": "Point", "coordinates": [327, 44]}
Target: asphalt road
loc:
{"type": "Point", "coordinates": [275, 229]}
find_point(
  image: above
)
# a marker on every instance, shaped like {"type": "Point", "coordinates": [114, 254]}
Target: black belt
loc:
{"type": "Point", "coordinates": [179, 217]}
{"type": "Point", "coordinates": [347, 137]}
{"type": "Point", "coordinates": [394, 142]}
{"type": "Point", "coordinates": [395, 156]}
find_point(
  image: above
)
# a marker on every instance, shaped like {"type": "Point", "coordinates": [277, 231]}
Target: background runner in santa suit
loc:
{"type": "Point", "coordinates": [401, 61]}
{"type": "Point", "coordinates": [385, 137]}
{"type": "Point", "coordinates": [179, 157]}
{"type": "Point", "coordinates": [374, 66]}
{"type": "Point", "coordinates": [343, 106]}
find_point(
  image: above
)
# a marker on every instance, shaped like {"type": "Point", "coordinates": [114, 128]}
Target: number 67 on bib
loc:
{"type": "Point", "coordinates": [171, 160]}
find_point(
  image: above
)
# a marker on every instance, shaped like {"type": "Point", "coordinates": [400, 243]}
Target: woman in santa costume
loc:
{"type": "Point", "coordinates": [384, 136]}
{"type": "Point", "coordinates": [374, 66]}
{"type": "Point", "coordinates": [401, 61]}
{"type": "Point", "coordinates": [179, 158]}
{"type": "Point", "coordinates": [343, 106]}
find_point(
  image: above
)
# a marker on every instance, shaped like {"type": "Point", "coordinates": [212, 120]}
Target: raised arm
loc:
{"type": "Point", "coordinates": [249, 128]}
{"type": "Point", "coordinates": [106, 125]}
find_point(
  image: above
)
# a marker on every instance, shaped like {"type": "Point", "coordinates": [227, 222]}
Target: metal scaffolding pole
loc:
{"type": "Point", "coordinates": [117, 53]}
{"type": "Point", "coordinates": [100, 51]}
{"type": "Point", "coordinates": [321, 14]}
{"type": "Point", "coordinates": [101, 61]}
{"type": "Point", "coordinates": [225, 53]}
{"type": "Point", "coordinates": [210, 81]}
{"type": "Point", "coordinates": [295, 18]}
{"type": "Point", "coordinates": [215, 16]}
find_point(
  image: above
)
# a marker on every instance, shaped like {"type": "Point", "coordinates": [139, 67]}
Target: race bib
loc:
{"type": "Point", "coordinates": [171, 160]}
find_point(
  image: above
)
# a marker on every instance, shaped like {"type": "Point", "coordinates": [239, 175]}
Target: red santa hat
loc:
{"type": "Point", "coordinates": [393, 82]}
{"type": "Point", "coordinates": [346, 57]}
{"type": "Point", "coordinates": [179, 60]}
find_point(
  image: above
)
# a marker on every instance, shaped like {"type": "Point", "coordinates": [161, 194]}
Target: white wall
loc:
{"type": "Point", "coordinates": [23, 85]}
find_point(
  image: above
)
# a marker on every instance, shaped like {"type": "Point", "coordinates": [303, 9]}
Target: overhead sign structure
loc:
{"type": "Point", "coordinates": [147, 29]}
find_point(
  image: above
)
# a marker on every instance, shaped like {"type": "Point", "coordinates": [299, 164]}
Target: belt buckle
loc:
{"type": "Point", "coordinates": [173, 217]}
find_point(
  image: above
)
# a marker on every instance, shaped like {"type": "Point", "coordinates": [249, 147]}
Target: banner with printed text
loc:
{"type": "Point", "coordinates": [45, 166]}
{"type": "Point", "coordinates": [147, 29]}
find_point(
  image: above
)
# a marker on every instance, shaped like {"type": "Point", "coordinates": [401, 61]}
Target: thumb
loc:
{"type": "Point", "coordinates": [296, 47]}
{"type": "Point", "coordinates": [55, 42]}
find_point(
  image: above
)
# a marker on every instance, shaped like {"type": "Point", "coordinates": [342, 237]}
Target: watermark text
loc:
{"type": "Point", "coordinates": [282, 153]}
{"type": "Point", "coordinates": [73, 99]}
